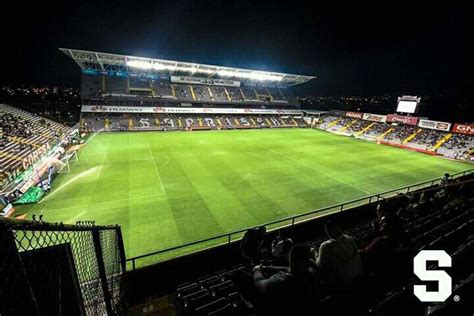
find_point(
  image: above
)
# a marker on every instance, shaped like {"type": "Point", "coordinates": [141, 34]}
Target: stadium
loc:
{"type": "Point", "coordinates": [179, 176]}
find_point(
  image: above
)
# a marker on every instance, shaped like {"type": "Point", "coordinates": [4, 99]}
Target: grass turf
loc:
{"type": "Point", "coordinates": [167, 189]}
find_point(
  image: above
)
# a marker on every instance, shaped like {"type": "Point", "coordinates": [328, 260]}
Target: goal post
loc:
{"type": "Point", "coordinates": [64, 162]}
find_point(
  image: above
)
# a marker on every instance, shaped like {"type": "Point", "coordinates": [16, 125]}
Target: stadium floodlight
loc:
{"type": "Point", "coordinates": [98, 61]}
{"type": "Point", "coordinates": [140, 64]}
{"type": "Point", "coordinates": [159, 66]}
{"type": "Point", "coordinates": [254, 75]}
{"type": "Point", "coordinates": [145, 65]}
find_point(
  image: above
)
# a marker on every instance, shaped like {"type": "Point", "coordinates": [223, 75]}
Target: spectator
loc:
{"type": "Point", "coordinates": [338, 259]}
{"type": "Point", "coordinates": [281, 247]}
{"type": "Point", "coordinates": [445, 180]}
{"type": "Point", "coordinates": [379, 257]}
{"type": "Point", "coordinates": [287, 291]}
{"type": "Point", "coordinates": [251, 244]}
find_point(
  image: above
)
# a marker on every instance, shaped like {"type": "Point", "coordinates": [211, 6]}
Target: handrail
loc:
{"type": "Point", "coordinates": [37, 224]}
{"type": "Point", "coordinates": [371, 198]}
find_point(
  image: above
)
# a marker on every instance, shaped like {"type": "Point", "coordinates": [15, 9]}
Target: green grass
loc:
{"type": "Point", "coordinates": [167, 189]}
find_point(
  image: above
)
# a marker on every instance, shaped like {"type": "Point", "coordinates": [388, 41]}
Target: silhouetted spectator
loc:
{"type": "Point", "coordinates": [445, 180]}
{"type": "Point", "coordinates": [338, 259]}
{"type": "Point", "coordinates": [252, 242]}
{"type": "Point", "coordinates": [281, 249]}
{"type": "Point", "coordinates": [379, 257]}
{"type": "Point", "coordinates": [287, 291]}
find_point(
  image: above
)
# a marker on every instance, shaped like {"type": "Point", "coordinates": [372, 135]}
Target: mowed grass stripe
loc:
{"type": "Point", "coordinates": [215, 182]}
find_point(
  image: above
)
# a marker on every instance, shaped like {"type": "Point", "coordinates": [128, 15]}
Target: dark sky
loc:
{"type": "Point", "coordinates": [354, 47]}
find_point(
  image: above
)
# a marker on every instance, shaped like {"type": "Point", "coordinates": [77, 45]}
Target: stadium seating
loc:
{"type": "Point", "coordinates": [23, 136]}
{"type": "Point", "coordinates": [219, 94]}
{"type": "Point", "coordinates": [91, 87]}
{"type": "Point", "coordinates": [133, 91]}
{"type": "Point", "coordinates": [426, 138]}
{"type": "Point", "coordinates": [96, 121]}
{"type": "Point", "coordinates": [277, 95]}
{"type": "Point", "coordinates": [376, 130]}
{"type": "Point", "coordinates": [441, 217]}
{"type": "Point", "coordinates": [456, 146]}
{"type": "Point", "coordinates": [183, 92]}
{"type": "Point", "coordinates": [201, 93]}
{"type": "Point", "coordinates": [235, 94]}
{"type": "Point", "coordinates": [249, 94]}
{"type": "Point", "coordinates": [116, 86]}
{"type": "Point", "coordinates": [357, 126]}
{"type": "Point", "coordinates": [139, 83]}
{"type": "Point", "coordinates": [400, 133]}
{"type": "Point", "coordinates": [162, 89]}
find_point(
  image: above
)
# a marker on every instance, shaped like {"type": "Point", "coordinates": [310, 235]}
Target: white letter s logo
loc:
{"type": "Point", "coordinates": [443, 279]}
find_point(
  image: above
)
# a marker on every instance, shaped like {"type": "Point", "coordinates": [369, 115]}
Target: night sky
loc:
{"type": "Point", "coordinates": [354, 47]}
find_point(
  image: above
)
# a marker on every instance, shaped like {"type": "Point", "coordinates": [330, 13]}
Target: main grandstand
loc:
{"type": "Point", "coordinates": [134, 93]}
{"type": "Point", "coordinates": [186, 157]}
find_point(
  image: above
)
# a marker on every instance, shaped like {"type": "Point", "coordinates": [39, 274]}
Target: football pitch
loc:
{"type": "Point", "coordinates": [168, 189]}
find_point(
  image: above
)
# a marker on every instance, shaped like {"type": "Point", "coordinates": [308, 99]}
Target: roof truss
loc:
{"type": "Point", "coordinates": [104, 62]}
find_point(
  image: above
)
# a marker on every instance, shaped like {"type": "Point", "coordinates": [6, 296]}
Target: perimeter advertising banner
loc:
{"type": "Point", "coordinates": [374, 117]}
{"type": "Point", "coordinates": [395, 118]}
{"type": "Point", "coordinates": [441, 126]}
{"type": "Point", "coordinates": [354, 114]}
{"type": "Point", "coordinates": [159, 109]}
{"type": "Point", "coordinates": [467, 129]}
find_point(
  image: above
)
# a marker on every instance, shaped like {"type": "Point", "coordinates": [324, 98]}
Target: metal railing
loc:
{"type": "Point", "coordinates": [294, 219]}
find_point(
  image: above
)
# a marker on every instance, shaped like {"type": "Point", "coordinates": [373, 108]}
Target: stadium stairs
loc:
{"type": "Point", "coordinates": [208, 283]}
{"type": "Point", "coordinates": [442, 141]}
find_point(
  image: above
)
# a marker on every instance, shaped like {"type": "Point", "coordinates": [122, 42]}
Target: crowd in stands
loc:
{"type": "Point", "coordinates": [13, 125]}
{"type": "Point", "coordinates": [427, 138]}
{"type": "Point", "coordinates": [358, 126]}
{"type": "Point", "coordinates": [459, 142]}
{"type": "Point", "coordinates": [22, 133]}
{"type": "Point", "coordinates": [376, 130]}
{"type": "Point", "coordinates": [457, 146]}
{"type": "Point", "coordinates": [358, 269]}
{"type": "Point", "coordinates": [96, 121]}
{"type": "Point", "coordinates": [340, 124]}
{"type": "Point", "coordinates": [400, 133]}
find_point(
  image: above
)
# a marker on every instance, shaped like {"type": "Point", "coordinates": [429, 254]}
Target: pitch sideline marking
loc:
{"type": "Point", "coordinates": [87, 141]}
{"type": "Point", "coordinates": [156, 168]}
{"type": "Point", "coordinates": [94, 135]}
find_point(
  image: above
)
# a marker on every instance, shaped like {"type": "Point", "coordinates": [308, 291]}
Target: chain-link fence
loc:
{"type": "Point", "coordinates": [61, 269]}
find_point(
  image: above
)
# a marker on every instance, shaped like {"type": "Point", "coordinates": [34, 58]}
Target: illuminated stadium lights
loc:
{"type": "Point", "coordinates": [139, 64]}
{"type": "Point", "coordinates": [254, 75]}
{"type": "Point", "coordinates": [98, 61]}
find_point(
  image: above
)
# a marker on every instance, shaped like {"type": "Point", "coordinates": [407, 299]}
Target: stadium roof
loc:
{"type": "Point", "coordinates": [113, 62]}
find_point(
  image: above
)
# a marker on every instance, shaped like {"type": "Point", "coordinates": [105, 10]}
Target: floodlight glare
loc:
{"type": "Point", "coordinates": [140, 64]}
{"type": "Point", "coordinates": [261, 76]}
